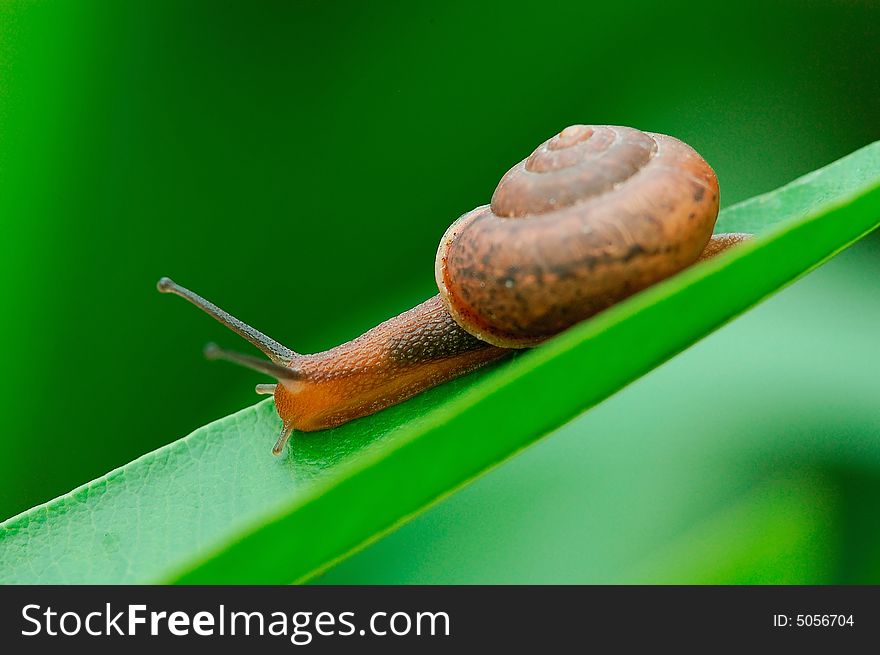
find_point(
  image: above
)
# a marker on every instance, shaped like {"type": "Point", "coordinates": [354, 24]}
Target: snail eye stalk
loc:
{"type": "Point", "coordinates": [273, 350]}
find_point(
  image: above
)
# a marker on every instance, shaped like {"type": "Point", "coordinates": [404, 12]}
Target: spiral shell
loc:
{"type": "Point", "coordinates": [594, 215]}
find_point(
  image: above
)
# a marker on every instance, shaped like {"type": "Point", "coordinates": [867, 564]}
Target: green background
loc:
{"type": "Point", "coordinates": [298, 162]}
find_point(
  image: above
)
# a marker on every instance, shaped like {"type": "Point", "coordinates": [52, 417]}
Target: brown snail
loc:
{"type": "Point", "coordinates": [592, 216]}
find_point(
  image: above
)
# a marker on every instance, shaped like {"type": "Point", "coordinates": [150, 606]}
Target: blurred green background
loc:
{"type": "Point", "coordinates": [298, 162]}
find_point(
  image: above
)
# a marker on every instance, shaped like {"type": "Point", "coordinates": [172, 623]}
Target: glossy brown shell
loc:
{"type": "Point", "coordinates": [594, 215]}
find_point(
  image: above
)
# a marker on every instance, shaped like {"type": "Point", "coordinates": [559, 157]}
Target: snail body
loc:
{"type": "Point", "coordinates": [592, 216]}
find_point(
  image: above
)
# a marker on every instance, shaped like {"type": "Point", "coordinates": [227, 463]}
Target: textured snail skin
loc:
{"type": "Point", "coordinates": [394, 361]}
{"type": "Point", "coordinates": [594, 215]}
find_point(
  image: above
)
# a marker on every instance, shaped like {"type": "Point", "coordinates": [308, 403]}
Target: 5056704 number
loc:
{"type": "Point", "coordinates": [813, 620]}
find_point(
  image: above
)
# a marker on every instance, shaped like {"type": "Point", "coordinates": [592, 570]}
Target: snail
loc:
{"type": "Point", "coordinates": [592, 216]}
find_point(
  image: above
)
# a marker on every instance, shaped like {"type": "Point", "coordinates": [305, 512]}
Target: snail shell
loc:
{"type": "Point", "coordinates": [592, 216]}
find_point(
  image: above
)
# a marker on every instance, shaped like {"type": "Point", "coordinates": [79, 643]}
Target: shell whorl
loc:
{"type": "Point", "coordinates": [595, 214]}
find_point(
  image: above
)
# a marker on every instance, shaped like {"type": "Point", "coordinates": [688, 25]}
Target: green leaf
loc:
{"type": "Point", "coordinates": [216, 507]}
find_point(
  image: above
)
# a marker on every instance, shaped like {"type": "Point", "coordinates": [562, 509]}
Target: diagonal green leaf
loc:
{"type": "Point", "coordinates": [216, 507]}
